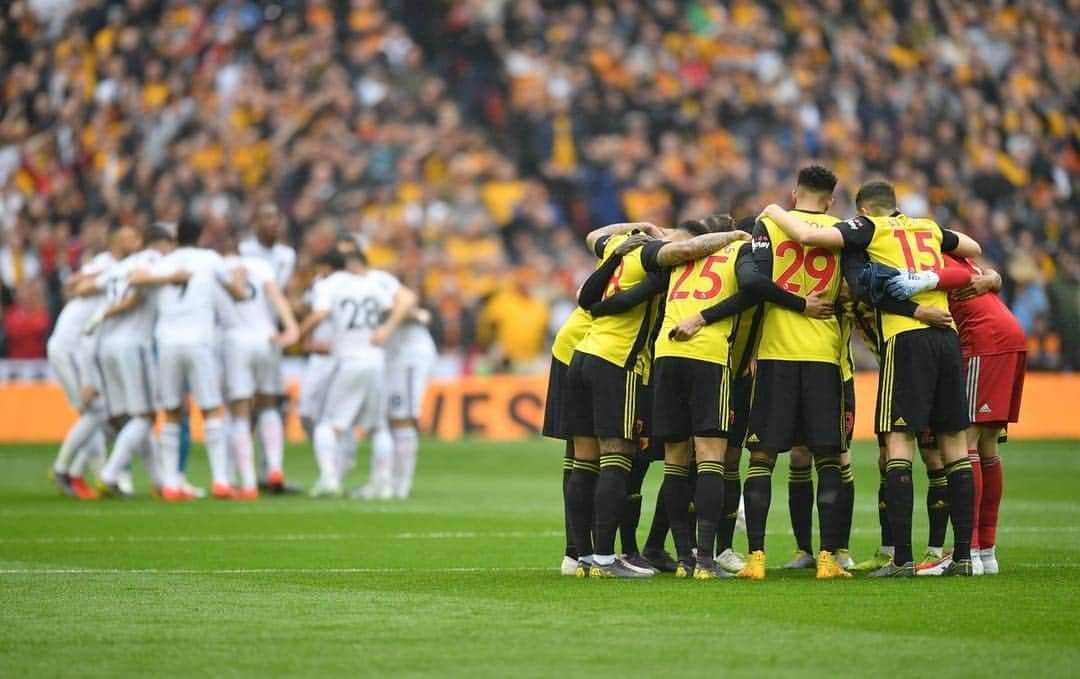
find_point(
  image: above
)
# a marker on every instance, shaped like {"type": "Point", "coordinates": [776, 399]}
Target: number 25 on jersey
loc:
{"type": "Point", "coordinates": [707, 273]}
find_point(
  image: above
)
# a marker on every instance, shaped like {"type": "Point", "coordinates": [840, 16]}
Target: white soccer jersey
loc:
{"type": "Point", "coordinates": [137, 325]}
{"type": "Point", "coordinates": [357, 305]}
{"type": "Point", "coordinates": [254, 315]}
{"type": "Point", "coordinates": [280, 257]}
{"type": "Point", "coordinates": [186, 313]}
{"type": "Point", "coordinates": [68, 330]}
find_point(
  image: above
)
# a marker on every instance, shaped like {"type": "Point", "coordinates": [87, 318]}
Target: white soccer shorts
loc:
{"type": "Point", "coordinates": [356, 396]}
{"type": "Point", "coordinates": [252, 366]}
{"type": "Point", "coordinates": [317, 374]}
{"type": "Point", "coordinates": [67, 368]}
{"type": "Point", "coordinates": [126, 371]}
{"type": "Point", "coordinates": [407, 376]}
{"type": "Point", "coordinates": [189, 366]}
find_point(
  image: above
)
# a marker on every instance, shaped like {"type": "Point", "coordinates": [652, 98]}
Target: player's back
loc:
{"type": "Point", "coordinates": [358, 304]}
{"type": "Point", "coordinates": [692, 287]}
{"type": "Point", "coordinates": [78, 310]}
{"type": "Point", "coordinates": [985, 323]}
{"type": "Point", "coordinates": [137, 324]}
{"type": "Point", "coordinates": [186, 313]}
{"type": "Point", "coordinates": [254, 314]}
{"type": "Point", "coordinates": [280, 257]}
{"type": "Point", "coordinates": [789, 335]}
{"type": "Point", "coordinates": [909, 244]}
{"type": "Point", "coordinates": [620, 338]}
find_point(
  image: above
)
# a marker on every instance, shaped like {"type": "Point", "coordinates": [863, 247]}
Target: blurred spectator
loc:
{"type": "Point", "coordinates": [467, 138]}
{"type": "Point", "coordinates": [1064, 294]}
{"type": "Point", "coordinates": [27, 322]}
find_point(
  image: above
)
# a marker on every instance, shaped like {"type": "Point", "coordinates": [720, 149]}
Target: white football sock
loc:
{"type": "Point", "coordinates": [77, 438]}
{"type": "Point", "coordinates": [382, 457]}
{"type": "Point", "coordinates": [151, 454]}
{"type": "Point", "coordinates": [406, 443]}
{"type": "Point", "coordinates": [93, 450]}
{"type": "Point", "coordinates": [326, 453]}
{"type": "Point", "coordinates": [272, 437]}
{"type": "Point", "coordinates": [346, 451]}
{"type": "Point", "coordinates": [243, 449]}
{"type": "Point", "coordinates": [129, 440]}
{"type": "Point", "coordinates": [217, 449]}
{"type": "Point", "coordinates": [170, 455]}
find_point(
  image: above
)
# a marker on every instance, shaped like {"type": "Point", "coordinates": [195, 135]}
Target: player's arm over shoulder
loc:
{"type": "Point", "coordinates": [959, 244]}
{"type": "Point", "coordinates": [801, 231]}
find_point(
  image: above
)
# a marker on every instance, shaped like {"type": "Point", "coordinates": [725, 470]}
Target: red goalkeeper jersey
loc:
{"type": "Point", "coordinates": [985, 324]}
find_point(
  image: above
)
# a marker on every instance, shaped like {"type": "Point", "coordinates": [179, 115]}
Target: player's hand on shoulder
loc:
{"type": "Point", "coordinates": [180, 277]}
{"type": "Point", "coordinates": [938, 318]}
{"type": "Point", "coordinates": [687, 328]}
{"type": "Point", "coordinates": [422, 316]}
{"type": "Point", "coordinates": [316, 347]}
{"type": "Point", "coordinates": [770, 211]}
{"type": "Point", "coordinates": [651, 229]}
{"type": "Point", "coordinates": [632, 243]}
{"type": "Point", "coordinates": [738, 235]}
{"type": "Point", "coordinates": [818, 307]}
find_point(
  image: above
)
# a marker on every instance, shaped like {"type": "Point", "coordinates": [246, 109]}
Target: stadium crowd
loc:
{"type": "Point", "coordinates": [475, 143]}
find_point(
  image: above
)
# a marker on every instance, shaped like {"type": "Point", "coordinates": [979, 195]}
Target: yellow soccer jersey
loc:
{"type": "Point", "coordinates": [571, 333]}
{"type": "Point", "coordinates": [904, 243]}
{"type": "Point", "coordinates": [693, 287]}
{"type": "Point", "coordinates": [620, 338]}
{"type": "Point", "coordinates": [788, 335]}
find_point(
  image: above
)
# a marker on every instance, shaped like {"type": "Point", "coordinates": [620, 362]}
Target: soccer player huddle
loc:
{"type": "Point", "coordinates": [156, 321]}
{"type": "Point", "coordinates": [689, 344]}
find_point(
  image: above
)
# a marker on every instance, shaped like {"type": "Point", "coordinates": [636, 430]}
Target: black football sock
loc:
{"type": "Point", "coordinates": [757, 494]}
{"type": "Point", "coordinates": [610, 499]}
{"type": "Point", "coordinates": [632, 511]}
{"type": "Point", "coordinates": [829, 500]}
{"type": "Point", "coordinates": [961, 488]}
{"type": "Point", "coordinates": [709, 501]}
{"type": "Point", "coordinates": [580, 495]}
{"type": "Point", "coordinates": [883, 511]}
{"type": "Point", "coordinates": [725, 534]}
{"type": "Point", "coordinates": [675, 495]}
{"type": "Point", "coordinates": [937, 507]}
{"type": "Point", "coordinates": [847, 505]}
{"type": "Point", "coordinates": [801, 506]}
{"type": "Point", "coordinates": [567, 468]}
{"type": "Point", "coordinates": [659, 527]}
{"type": "Point", "coordinates": [691, 512]}
{"type": "Point", "coordinates": [900, 500]}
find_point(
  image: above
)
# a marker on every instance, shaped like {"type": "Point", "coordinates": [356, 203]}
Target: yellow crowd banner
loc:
{"type": "Point", "coordinates": [510, 407]}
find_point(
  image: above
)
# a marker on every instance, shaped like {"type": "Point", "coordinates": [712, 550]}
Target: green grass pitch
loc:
{"type": "Point", "coordinates": [462, 580]}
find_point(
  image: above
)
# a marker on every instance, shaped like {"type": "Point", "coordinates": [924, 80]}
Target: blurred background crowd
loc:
{"type": "Point", "coordinates": [471, 143]}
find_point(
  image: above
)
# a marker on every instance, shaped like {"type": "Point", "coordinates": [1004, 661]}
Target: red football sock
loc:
{"type": "Point", "coordinates": [992, 486]}
{"type": "Point", "coordinates": [977, 480]}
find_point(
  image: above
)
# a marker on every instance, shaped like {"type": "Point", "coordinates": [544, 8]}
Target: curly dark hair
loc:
{"type": "Point", "coordinates": [817, 178]}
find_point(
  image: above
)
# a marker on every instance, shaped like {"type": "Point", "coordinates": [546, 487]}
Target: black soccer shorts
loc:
{"type": "Point", "coordinates": [690, 398]}
{"type": "Point", "coordinates": [555, 406]}
{"type": "Point", "coordinates": [601, 398]}
{"type": "Point", "coordinates": [796, 403]}
{"type": "Point", "coordinates": [742, 388]}
{"type": "Point", "coordinates": [922, 383]}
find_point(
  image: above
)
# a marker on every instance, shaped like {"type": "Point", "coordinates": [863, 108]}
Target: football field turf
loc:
{"type": "Point", "coordinates": [462, 580]}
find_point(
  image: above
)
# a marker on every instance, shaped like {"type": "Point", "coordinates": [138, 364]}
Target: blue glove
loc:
{"type": "Point", "coordinates": [872, 280]}
{"type": "Point", "coordinates": [906, 285]}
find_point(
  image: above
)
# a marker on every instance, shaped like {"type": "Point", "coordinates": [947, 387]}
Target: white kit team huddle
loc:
{"type": "Point", "coordinates": [156, 319]}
